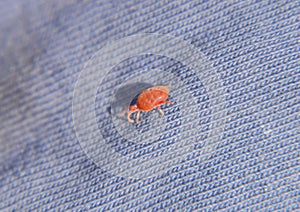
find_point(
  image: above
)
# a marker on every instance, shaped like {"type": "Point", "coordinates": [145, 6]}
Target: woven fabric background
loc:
{"type": "Point", "coordinates": [247, 84]}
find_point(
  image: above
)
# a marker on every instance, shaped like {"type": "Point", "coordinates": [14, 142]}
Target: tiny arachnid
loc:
{"type": "Point", "coordinates": [148, 100]}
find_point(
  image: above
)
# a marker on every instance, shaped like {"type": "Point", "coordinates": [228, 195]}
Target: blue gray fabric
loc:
{"type": "Point", "coordinates": [229, 141]}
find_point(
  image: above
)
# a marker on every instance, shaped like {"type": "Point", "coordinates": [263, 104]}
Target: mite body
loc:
{"type": "Point", "coordinates": [148, 100]}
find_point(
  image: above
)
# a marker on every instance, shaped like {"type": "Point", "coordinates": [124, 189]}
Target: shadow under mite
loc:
{"type": "Point", "coordinates": [125, 96]}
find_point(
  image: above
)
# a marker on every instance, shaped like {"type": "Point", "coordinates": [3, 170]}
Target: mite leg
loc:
{"type": "Point", "coordinates": [138, 116]}
{"type": "Point", "coordinates": [128, 116]}
{"type": "Point", "coordinates": [160, 111]}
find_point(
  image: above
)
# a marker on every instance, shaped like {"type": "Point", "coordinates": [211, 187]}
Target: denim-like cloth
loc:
{"type": "Point", "coordinates": [229, 141]}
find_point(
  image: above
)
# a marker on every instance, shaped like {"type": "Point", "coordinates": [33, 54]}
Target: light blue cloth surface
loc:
{"type": "Point", "coordinates": [229, 142]}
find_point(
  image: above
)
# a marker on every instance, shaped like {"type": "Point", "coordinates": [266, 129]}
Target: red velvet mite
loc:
{"type": "Point", "coordinates": [148, 100]}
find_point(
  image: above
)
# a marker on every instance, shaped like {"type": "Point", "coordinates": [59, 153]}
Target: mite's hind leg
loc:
{"type": "Point", "coordinates": [160, 111]}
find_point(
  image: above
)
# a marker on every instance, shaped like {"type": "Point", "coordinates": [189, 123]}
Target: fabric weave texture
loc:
{"type": "Point", "coordinates": [230, 141]}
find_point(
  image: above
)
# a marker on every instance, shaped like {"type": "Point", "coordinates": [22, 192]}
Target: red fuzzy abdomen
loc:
{"type": "Point", "coordinates": [151, 98]}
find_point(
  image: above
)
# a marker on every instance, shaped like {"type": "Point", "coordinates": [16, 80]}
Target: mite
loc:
{"type": "Point", "coordinates": [148, 100]}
